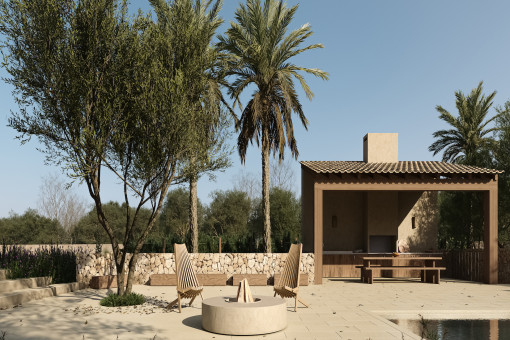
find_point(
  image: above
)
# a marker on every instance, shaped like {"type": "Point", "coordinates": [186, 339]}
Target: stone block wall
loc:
{"type": "Point", "coordinates": [90, 264]}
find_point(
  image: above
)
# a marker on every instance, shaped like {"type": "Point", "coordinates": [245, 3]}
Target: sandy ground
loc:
{"type": "Point", "coordinates": [339, 309]}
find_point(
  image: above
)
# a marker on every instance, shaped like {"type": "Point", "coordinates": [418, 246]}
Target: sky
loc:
{"type": "Point", "coordinates": [390, 63]}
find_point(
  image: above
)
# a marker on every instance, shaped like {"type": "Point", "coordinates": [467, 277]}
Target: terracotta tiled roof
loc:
{"type": "Point", "coordinates": [404, 167]}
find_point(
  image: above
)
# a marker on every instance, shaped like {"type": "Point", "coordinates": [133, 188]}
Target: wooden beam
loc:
{"type": "Point", "coordinates": [490, 236]}
{"type": "Point", "coordinates": [317, 233]}
{"type": "Point", "coordinates": [433, 185]}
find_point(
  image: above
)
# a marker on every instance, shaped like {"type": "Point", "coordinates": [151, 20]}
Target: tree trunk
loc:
{"type": "Point", "coordinates": [193, 213]}
{"type": "Point", "coordinates": [265, 190]}
{"type": "Point", "coordinates": [121, 272]}
{"type": "Point", "coordinates": [120, 281]}
{"type": "Point", "coordinates": [131, 272]}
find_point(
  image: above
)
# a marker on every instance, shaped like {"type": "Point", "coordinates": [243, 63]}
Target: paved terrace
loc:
{"type": "Point", "coordinates": [340, 309]}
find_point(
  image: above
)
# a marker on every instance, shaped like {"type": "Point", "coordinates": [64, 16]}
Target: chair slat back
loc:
{"type": "Point", "coordinates": [290, 274]}
{"type": "Point", "coordinates": [186, 276]}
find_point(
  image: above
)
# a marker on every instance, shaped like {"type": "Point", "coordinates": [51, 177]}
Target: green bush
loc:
{"type": "Point", "coordinates": [114, 300]}
{"type": "Point", "coordinates": [46, 261]}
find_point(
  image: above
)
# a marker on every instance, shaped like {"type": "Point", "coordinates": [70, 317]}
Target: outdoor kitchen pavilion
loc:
{"type": "Point", "coordinates": [366, 206]}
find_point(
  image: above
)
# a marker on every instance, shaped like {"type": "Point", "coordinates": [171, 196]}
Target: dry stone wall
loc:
{"type": "Point", "coordinates": [90, 264]}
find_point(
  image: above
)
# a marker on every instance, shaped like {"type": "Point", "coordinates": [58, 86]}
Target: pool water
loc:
{"type": "Point", "coordinates": [459, 329]}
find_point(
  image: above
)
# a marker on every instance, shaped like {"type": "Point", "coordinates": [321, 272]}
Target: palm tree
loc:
{"type": "Point", "coordinates": [258, 52]}
{"type": "Point", "coordinates": [468, 141]}
{"type": "Point", "coordinates": [470, 135]}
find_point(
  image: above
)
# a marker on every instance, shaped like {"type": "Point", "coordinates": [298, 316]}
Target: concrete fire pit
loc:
{"type": "Point", "coordinates": [224, 315]}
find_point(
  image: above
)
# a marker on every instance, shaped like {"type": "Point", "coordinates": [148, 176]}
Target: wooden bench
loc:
{"type": "Point", "coordinates": [303, 279]}
{"type": "Point", "coordinates": [253, 279]}
{"type": "Point", "coordinates": [212, 279]}
{"type": "Point", "coordinates": [203, 279]}
{"type": "Point", "coordinates": [103, 282]}
{"type": "Point", "coordinates": [163, 280]}
{"type": "Point", "coordinates": [429, 272]}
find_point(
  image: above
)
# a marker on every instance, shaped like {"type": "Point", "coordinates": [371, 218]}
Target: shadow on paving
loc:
{"type": "Point", "coordinates": [80, 296]}
{"type": "Point", "coordinates": [51, 322]}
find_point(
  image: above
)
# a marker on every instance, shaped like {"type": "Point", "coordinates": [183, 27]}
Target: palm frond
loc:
{"type": "Point", "coordinates": [468, 137]}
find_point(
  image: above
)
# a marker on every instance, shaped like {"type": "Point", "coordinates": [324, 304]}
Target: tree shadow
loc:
{"type": "Point", "coordinates": [49, 322]}
{"type": "Point", "coordinates": [427, 220]}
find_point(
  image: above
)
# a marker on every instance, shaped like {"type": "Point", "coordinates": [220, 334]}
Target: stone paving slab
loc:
{"type": "Point", "coordinates": [339, 309]}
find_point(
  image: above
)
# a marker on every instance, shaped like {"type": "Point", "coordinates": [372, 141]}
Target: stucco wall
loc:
{"type": "Point", "coordinates": [382, 214]}
{"type": "Point", "coordinates": [380, 147]}
{"type": "Point", "coordinates": [89, 264]}
{"type": "Point", "coordinates": [423, 207]}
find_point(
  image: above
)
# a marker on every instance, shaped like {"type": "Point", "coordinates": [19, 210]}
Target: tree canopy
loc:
{"type": "Point", "coordinates": [105, 92]}
{"type": "Point", "coordinates": [470, 135]}
{"type": "Point", "coordinates": [228, 214]}
{"type": "Point", "coordinates": [31, 228]}
{"type": "Point", "coordinates": [285, 217]}
{"type": "Point", "coordinates": [174, 219]}
{"type": "Point", "coordinates": [89, 230]}
{"type": "Point", "coordinates": [469, 140]}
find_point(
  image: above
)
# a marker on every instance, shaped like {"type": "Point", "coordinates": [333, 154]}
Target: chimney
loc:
{"type": "Point", "coordinates": [380, 148]}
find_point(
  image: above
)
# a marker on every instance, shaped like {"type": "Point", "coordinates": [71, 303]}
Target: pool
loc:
{"type": "Point", "coordinates": [496, 329]}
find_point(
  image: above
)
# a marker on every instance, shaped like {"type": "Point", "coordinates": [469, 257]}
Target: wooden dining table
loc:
{"type": "Point", "coordinates": [427, 265]}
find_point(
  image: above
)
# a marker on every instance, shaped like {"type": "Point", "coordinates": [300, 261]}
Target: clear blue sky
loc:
{"type": "Point", "coordinates": [390, 63]}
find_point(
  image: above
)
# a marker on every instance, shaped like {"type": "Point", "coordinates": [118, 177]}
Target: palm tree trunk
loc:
{"type": "Point", "coordinates": [193, 214]}
{"type": "Point", "coordinates": [265, 190]}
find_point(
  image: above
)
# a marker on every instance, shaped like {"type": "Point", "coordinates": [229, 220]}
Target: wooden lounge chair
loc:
{"type": "Point", "coordinates": [187, 283]}
{"type": "Point", "coordinates": [288, 285]}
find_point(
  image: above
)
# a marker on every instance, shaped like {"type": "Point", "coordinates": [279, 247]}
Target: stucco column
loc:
{"type": "Point", "coordinates": [490, 235]}
{"type": "Point", "coordinates": [317, 233]}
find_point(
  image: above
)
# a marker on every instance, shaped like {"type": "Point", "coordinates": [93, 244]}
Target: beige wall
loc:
{"type": "Point", "coordinates": [380, 147]}
{"type": "Point", "coordinates": [382, 212]}
{"type": "Point", "coordinates": [347, 208]}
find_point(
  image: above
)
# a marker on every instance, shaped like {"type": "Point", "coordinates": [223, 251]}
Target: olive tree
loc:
{"type": "Point", "coordinates": [197, 23]}
{"type": "Point", "coordinates": [102, 92]}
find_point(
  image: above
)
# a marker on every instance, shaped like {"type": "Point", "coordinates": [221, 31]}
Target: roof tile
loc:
{"type": "Point", "coordinates": [403, 167]}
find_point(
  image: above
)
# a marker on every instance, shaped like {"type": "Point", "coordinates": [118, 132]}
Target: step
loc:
{"type": "Point", "coordinates": [18, 297]}
{"type": "Point", "coordinates": [3, 274]}
{"type": "Point", "coordinates": [63, 288]}
{"type": "Point", "coordinates": [7, 286]}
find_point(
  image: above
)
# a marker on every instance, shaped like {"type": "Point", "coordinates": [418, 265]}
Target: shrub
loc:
{"type": "Point", "coordinates": [51, 261]}
{"type": "Point", "coordinates": [114, 300]}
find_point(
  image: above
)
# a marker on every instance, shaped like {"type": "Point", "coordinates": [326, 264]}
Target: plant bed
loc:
{"type": "Point", "coordinates": [114, 300]}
